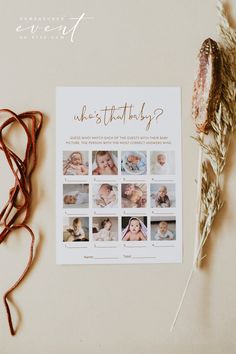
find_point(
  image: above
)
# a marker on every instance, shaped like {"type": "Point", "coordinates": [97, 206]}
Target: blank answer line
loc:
{"type": "Point", "coordinates": [134, 246]}
{"type": "Point", "coordinates": [136, 257]}
{"type": "Point", "coordinates": [162, 180]}
{"type": "Point", "coordinates": [67, 246]}
{"type": "Point", "coordinates": [106, 213]}
{"type": "Point", "coordinates": [162, 213]}
{"type": "Point", "coordinates": [75, 214]}
{"type": "Point", "coordinates": [134, 181]}
{"type": "Point", "coordinates": [125, 213]}
{"type": "Point", "coordinates": [75, 181]}
{"type": "Point", "coordinates": [163, 246]}
{"type": "Point", "coordinates": [105, 246]}
{"type": "Point", "coordinates": [106, 258]}
{"type": "Point", "coordinates": [105, 180]}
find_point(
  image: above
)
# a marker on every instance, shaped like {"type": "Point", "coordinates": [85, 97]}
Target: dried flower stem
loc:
{"type": "Point", "coordinates": [198, 211]}
{"type": "Point", "coordinates": [215, 152]}
{"type": "Point", "coordinates": [198, 251]}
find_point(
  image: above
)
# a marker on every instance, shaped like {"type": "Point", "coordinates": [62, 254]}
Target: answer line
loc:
{"type": "Point", "coordinates": [135, 246]}
{"type": "Point", "coordinates": [67, 246]}
{"type": "Point", "coordinates": [105, 246]}
{"type": "Point", "coordinates": [163, 246]}
{"type": "Point", "coordinates": [143, 257]}
{"type": "Point", "coordinates": [106, 258]}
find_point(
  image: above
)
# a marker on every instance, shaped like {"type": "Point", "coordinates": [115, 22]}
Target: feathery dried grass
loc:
{"type": "Point", "coordinates": [216, 149]}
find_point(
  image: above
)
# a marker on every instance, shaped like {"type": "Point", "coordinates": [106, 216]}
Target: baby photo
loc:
{"type": "Point", "coordinates": [75, 195]}
{"type": "Point", "coordinates": [134, 195]}
{"type": "Point", "coordinates": [75, 229]}
{"type": "Point", "coordinates": [163, 228]}
{"type": "Point", "coordinates": [162, 162]}
{"type": "Point", "coordinates": [133, 162]}
{"type": "Point", "coordinates": [105, 195]}
{"type": "Point", "coordinates": [105, 163]}
{"type": "Point", "coordinates": [105, 229]}
{"type": "Point", "coordinates": [75, 163]}
{"type": "Point", "coordinates": [134, 229]}
{"type": "Point", "coordinates": [162, 195]}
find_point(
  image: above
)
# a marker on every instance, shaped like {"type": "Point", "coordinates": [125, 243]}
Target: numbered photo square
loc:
{"type": "Point", "coordinates": [75, 229]}
{"type": "Point", "coordinates": [134, 228]}
{"type": "Point", "coordinates": [105, 228]}
{"type": "Point", "coordinates": [75, 195]}
{"type": "Point", "coordinates": [163, 228]}
{"type": "Point", "coordinates": [75, 163]}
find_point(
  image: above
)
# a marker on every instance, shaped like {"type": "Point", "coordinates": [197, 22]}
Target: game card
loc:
{"type": "Point", "coordinates": [118, 175]}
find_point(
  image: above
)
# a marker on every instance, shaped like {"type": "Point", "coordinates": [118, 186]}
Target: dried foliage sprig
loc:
{"type": "Point", "coordinates": [205, 103]}
{"type": "Point", "coordinates": [215, 124]}
{"type": "Point", "coordinates": [222, 126]}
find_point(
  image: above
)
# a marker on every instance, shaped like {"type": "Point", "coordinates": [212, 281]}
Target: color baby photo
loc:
{"type": "Point", "coordinates": [75, 195]}
{"type": "Point", "coordinates": [162, 162]}
{"type": "Point", "coordinates": [133, 162]}
{"type": "Point", "coordinates": [134, 229]}
{"type": "Point", "coordinates": [163, 228]}
{"type": "Point", "coordinates": [105, 163]}
{"type": "Point", "coordinates": [162, 195]}
{"type": "Point", "coordinates": [105, 229]}
{"type": "Point", "coordinates": [75, 229]}
{"type": "Point", "coordinates": [75, 163]}
{"type": "Point", "coordinates": [134, 195]}
{"type": "Point", "coordinates": [105, 195]}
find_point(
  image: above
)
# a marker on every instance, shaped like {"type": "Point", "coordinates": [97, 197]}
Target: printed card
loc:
{"type": "Point", "coordinates": [118, 166]}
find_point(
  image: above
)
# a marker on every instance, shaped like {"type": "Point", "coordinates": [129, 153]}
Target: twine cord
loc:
{"type": "Point", "coordinates": [16, 211]}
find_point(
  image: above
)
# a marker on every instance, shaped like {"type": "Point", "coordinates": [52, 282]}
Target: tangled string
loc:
{"type": "Point", "coordinates": [15, 213]}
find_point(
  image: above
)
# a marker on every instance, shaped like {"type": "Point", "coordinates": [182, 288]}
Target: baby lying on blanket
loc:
{"type": "Point", "coordinates": [107, 196]}
{"type": "Point", "coordinates": [76, 197]}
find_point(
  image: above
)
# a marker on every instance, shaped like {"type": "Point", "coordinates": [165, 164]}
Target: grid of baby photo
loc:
{"type": "Point", "coordinates": [119, 196]}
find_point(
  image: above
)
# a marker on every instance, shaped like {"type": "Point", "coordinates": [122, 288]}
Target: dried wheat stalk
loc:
{"type": "Point", "coordinates": [218, 121]}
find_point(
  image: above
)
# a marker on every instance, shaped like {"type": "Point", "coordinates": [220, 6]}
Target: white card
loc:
{"type": "Point", "coordinates": [118, 175]}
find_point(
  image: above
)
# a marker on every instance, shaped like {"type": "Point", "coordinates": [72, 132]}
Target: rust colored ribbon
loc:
{"type": "Point", "coordinates": [16, 211]}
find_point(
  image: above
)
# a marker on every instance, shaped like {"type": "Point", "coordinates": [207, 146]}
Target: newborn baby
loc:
{"type": "Point", "coordinates": [134, 163]}
{"type": "Point", "coordinates": [132, 197]}
{"type": "Point", "coordinates": [161, 166]}
{"type": "Point", "coordinates": [107, 196]}
{"type": "Point", "coordinates": [76, 197]}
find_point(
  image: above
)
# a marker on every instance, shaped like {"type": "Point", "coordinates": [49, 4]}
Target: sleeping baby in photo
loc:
{"type": "Point", "coordinates": [133, 162]}
{"type": "Point", "coordinates": [106, 196]}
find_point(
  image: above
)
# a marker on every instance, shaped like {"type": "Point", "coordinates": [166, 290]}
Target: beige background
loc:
{"type": "Point", "coordinates": [114, 309]}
